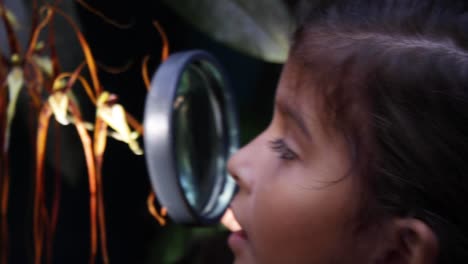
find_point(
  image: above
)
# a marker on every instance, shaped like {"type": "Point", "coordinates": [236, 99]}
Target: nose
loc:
{"type": "Point", "coordinates": [240, 168]}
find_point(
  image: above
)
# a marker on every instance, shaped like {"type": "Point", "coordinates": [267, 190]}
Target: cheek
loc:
{"type": "Point", "coordinates": [298, 224]}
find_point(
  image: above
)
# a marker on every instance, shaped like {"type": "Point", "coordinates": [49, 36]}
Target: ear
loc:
{"type": "Point", "coordinates": [409, 241]}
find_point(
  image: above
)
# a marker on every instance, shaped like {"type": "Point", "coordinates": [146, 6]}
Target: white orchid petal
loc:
{"type": "Point", "coordinates": [44, 63]}
{"type": "Point", "coordinates": [59, 105]}
{"type": "Point", "coordinates": [15, 81]}
{"type": "Point", "coordinates": [135, 147]}
{"type": "Point", "coordinates": [115, 117]}
{"type": "Point", "coordinates": [134, 135]}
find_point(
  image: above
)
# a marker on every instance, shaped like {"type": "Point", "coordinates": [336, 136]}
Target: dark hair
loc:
{"type": "Point", "coordinates": [394, 79]}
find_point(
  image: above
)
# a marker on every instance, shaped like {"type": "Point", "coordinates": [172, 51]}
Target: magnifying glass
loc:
{"type": "Point", "coordinates": [191, 129]}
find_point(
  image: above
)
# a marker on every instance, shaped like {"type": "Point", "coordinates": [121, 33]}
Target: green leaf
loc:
{"type": "Point", "coordinates": [260, 28]}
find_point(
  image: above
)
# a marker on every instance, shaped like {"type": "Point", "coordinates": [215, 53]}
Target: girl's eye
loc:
{"type": "Point", "coordinates": [282, 149]}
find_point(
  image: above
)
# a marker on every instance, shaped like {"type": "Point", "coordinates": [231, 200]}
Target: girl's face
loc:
{"type": "Point", "coordinates": [295, 202]}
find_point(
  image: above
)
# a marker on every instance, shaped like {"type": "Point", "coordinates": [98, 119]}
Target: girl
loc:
{"type": "Point", "coordinates": [365, 159]}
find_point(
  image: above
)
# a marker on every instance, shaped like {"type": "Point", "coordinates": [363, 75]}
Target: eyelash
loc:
{"type": "Point", "coordinates": [282, 149]}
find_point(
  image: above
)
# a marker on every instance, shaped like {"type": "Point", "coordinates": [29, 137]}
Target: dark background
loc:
{"type": "Point", "coordinates": [133, 235]}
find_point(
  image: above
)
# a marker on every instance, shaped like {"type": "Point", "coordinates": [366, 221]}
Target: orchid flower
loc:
{"type": "Point", "coordinates": [114, 116]}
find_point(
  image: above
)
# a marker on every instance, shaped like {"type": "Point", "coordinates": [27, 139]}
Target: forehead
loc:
{"type": "Point", "coordinates": [296, 89]}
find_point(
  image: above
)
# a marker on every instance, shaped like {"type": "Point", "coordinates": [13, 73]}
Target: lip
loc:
{"type": "Point", "coordinates": [237, 240]}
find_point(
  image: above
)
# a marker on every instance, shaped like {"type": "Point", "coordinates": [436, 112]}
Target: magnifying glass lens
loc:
{"type": "Point", "coordinates": [198, 135]}
{"type": "Point", "coordinates": [190, 129]}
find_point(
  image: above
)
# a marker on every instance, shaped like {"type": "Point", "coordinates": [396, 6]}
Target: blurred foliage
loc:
{"type": "Point", "coordinates": [260, 28]}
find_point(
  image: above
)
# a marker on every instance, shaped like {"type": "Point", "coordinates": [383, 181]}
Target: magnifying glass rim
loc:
{"type": "Point", "coordinates": [158, 138]}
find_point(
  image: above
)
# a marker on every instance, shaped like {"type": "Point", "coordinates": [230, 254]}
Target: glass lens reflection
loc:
{"type": "Point", "coordinates": [198, 135]}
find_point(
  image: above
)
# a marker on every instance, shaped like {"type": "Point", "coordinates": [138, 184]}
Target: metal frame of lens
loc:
{"type": "Point", "coordinates": [159, 140]}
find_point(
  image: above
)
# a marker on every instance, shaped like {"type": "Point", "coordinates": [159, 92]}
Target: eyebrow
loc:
{"type": "Point", "coordinates": [290, 112]}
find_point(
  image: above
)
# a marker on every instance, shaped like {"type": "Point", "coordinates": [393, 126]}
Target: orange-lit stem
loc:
{"type": "Point", "coordinates": [115, 70]}
{"type": "Point", "coordinates": [134, 123]}
{"type": "Point", "coordinates": [4, 177]}
{"type": "Point", "coordinates": [100, 139]}
{"type": "Point", "coordinates": [165, 49]}
{"type": "Point", "coordinates": [34, 21]}
{"type": "Point", "coordinates": [34, 81]}
{"type": "Point", "coordinates": [90, 61]}
{"type": "Point", "coordinates": [38, 232]}
{"type": "Point", "coordinates": [154, 212]}
{"type": "Point", "coordinates": [5, 181]}
{"type": "Point", "coordinates": [164, 54]}
{"type": "Point", "coordinates": [91, 165]}
{"type": "Point", "coordinates": [56, 198]}
{"type": "Point", "coordinates": [5, 184]}
{"type": "Point", "coordinates": [73, 77]}
{"type": "Point", "coordinates": [144, 72]}
{"type": "Point", "coordinates": [102, 16]}
{"type": "Point", "coordinates": [87, 87]}
{"type": "Point", "coordinates": [88, 150]}
{"type": "Point", "coordinates": [37, 31]}
{"type": "Point", "coordinates": [12, 38]}
{"type": "Point", "coordinates": [53, 49]}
